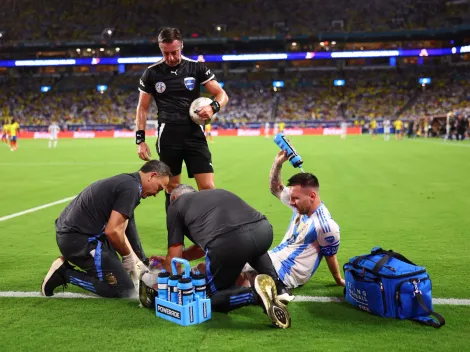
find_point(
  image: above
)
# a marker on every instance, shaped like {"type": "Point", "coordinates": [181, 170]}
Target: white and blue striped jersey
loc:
{"type": "Point", "coordinates": [306, 241]}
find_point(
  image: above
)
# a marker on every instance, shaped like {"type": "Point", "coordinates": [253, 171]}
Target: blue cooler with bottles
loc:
{"type": "Point", "coordinates": [182, 298]}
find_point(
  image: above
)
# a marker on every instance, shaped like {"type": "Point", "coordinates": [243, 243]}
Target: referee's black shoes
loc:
{"type": "Point", "coordinates": [265, 287]}
{"type": "Point", "coordinates": [54, 277]}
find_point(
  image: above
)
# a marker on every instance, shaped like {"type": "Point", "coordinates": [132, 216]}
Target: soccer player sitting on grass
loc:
{"type": "Point", "coordinates": [312, 233]}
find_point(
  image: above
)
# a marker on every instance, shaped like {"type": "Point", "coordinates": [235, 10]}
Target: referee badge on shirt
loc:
{"type": "Point", "coordinates": [160, 87]}
{"type": "Point", "coordinates": [190, 82]}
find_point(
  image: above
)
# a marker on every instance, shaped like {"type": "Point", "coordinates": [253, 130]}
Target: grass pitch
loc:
{"type": "Point", "coordinates": [409, 196]}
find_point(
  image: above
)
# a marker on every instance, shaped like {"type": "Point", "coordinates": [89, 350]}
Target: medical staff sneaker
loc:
{"type": "Point", "coordinates": [54, 277]}
{"type": "Point", "coordinates": [265, 287]}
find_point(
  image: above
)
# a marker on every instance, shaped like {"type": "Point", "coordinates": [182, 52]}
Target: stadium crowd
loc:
{"type": "Point", "coordinates": [24, 20]}
{"type": "Point", "coordinates": [76, 100]}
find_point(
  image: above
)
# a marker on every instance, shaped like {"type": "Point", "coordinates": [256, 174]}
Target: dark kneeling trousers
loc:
{"type": "Point", "coordinates": [226, 256]}
{"type": "Point", "coordinates": [102, 273]}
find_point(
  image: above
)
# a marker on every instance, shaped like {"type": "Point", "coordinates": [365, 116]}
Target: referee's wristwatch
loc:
{"type": "Point", "coordinates": [215, 106]}
{"type": "Point", "coordinates": [139, 136]}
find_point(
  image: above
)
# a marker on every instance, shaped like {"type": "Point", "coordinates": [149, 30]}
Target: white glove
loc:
{"type": "Point", "coordinates": [128, 262]}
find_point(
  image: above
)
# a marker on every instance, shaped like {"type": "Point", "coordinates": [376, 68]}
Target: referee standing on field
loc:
{"type": "Point", "coordinates": [174, 83]}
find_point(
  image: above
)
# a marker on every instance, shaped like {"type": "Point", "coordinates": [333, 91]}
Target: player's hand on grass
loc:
{"type": "Point", "coordinates": [206, 112]}
{"type": "Point", "coordinates": [144, 151]}
{"type": "Point", "coordinates": [340, 282]}
{"type": "Point", "coordinates": [281, 157]}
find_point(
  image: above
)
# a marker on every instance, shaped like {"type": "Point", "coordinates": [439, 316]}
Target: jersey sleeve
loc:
{"type": "Point", "coordinates": [285, 197]}
{"type": "Point", "coordinates": [204, 74]}
{"type": "Point", "coordinates": [329, 241]}
{"type": "Point", "coordinates": [145, 83]}
{"type": "Point", "coordinates": [175, 226]}
{"type": "Point", "coordinates": [127, 198]}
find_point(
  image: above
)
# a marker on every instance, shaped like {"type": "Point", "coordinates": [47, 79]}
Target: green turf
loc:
{"type": "Point", "coordinates": [410, 196]}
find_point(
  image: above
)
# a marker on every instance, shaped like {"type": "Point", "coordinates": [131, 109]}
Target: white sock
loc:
{"type": "Point", "coordinates": [55, 144]}
{"type": "Point", "coordinates": [50, 144]}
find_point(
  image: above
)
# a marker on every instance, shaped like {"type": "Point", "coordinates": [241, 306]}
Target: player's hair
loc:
{"type": "Point", "coordinates": [168, 35]}
{"type": "Point", "coordinates": [181, 189]}
{"type": "Point", "coordinates": [304, 179]}
{"type": "Point", "coordinates": [156, 166]}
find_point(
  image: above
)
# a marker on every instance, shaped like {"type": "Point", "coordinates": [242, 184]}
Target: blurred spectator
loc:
{"type": "Point", "coordinates": [61, 20]}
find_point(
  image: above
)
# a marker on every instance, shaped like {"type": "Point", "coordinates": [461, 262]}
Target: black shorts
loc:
{"type": "Point", "coordinates": [227, 254]}
{"type": "Point", "coordinates": [103, 268]}
{"type": "Point", "coordinates": [178, 143]}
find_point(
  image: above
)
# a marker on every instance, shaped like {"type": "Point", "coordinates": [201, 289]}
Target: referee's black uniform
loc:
{"type": "Point", "coordinates": [81, 239]}
{"type": "Point", "coordinates": [179, 138]}
{"type": "Point", "coordinates": [232, 233]}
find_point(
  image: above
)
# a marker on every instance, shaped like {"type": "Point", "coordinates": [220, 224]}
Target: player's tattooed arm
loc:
{"type": "Point", "coordinates": [275, 182]}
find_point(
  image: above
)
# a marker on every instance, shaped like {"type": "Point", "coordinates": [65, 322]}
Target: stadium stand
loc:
{"type": "Point", "coordinates": [74, 99]}
{"type": "Point", "coordinates": [24, 20]}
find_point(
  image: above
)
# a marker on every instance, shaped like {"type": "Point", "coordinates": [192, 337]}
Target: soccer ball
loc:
{"type": "Point", "coordinates": [195, 106]}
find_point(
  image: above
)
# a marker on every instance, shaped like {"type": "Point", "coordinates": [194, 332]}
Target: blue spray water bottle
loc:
{"type": "Point", "coordinates": [162, 284]}
{"type": "Point", "coordinates": [294, 157]}
{"type": "Point", "coordinates": [199, 283]}
{"type": "Point", "coordinates": [185, 291]}
{"type": "Point", "coordinates": [173, 288]}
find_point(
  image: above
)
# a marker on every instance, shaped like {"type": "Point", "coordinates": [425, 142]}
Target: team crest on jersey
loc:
{"type": "Point", "coordinates": [190, 83]}
{"type": "Point", "coordinates": [160, 87]}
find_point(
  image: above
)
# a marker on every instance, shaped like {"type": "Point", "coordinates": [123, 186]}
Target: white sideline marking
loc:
{"type": "Point", "coordinates": [32, 210]}
{"type": "Point", "coordinates": [448, 143]}
{"type": "Point", "coordinates": [19, 294]}
{"type": "Point", "coordinates": [443, 301]}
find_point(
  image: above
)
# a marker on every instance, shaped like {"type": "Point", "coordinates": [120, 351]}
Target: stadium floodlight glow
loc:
{"type": "Point", "coordinates": [254, 57]}
{"type": "Point", "coordinates": [51, 62]}
{"type": "Point", "coordinates": [278, 84]}
{"type": "Point", "coordinates": [101, 88]}
{"type": "Point", "coordinates": [465, 49]}
{"type": "Point", "coordinates": [139, 60]}
{"type": "Point", "coordinates": [45, 89]}
{"type": "Point", "coordinates": [339, 82]}
{"type": "Point", "coordinates": [424, 80]}
{"type": "Point", "coordinates": [107, 32]}
{"type": "Point", "coordinates": [118, 50]}
{"type": "Point", "coordinates": [370, 53]}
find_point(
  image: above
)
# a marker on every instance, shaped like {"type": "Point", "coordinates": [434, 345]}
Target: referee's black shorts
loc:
{"type": "Point", "coordinates": [177, 143]}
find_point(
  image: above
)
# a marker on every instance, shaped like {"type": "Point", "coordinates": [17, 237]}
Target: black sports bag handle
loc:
{"type": "Point", "coordinates": [428, 320]}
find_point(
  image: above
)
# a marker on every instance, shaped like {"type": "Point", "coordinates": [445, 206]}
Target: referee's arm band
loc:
{"type": "Point", "coordinates": [139, 136]}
